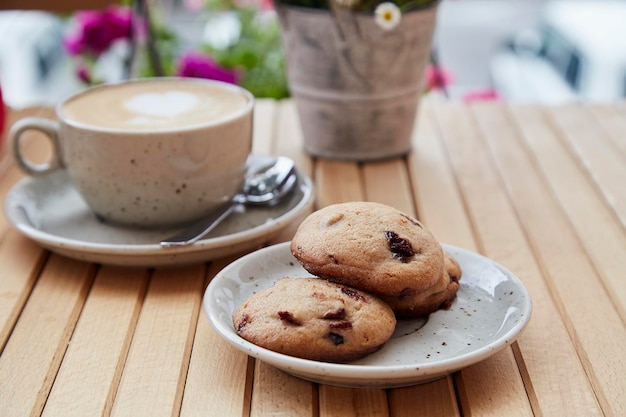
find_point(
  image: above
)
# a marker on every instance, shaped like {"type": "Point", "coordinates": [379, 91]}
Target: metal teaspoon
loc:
{"type": "Point", "coordinates": [265, 188]}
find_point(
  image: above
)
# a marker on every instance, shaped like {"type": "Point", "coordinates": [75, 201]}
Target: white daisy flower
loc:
{"type": "Point", "coordinates": [387, 15]}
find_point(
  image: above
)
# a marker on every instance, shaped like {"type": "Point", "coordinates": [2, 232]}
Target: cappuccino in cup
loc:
{"type": "Point", "coordinates": [152, 152]}
{"type": "Point", "coordinates": [153, 106]}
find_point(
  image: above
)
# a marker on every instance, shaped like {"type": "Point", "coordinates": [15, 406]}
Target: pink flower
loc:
{"type": "Point", "coordinates": [197, 65]}
{"type": "Point", "coordinates": [98, 30]}
{"type": "Point", "coordinates": [437, 77]}
{"type": "Point", "coordinates": [481, 95]}
{"type": "Point", "coordinates": [82, 72]}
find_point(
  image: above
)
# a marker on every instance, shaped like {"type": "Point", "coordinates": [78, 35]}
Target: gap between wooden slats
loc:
{"type": "Point", "coordinates": [219, 379]}
{"type": "Point", "coordinates": [33, 354]}
{"type": "Point", "coordinates": [592, 219]}
{"type": "Point", "coordinates": [595, 152]}
{"type": "Point", "coordinates": [437, 199]}
{"type": "Point", "coordinates": [20, 258]}
{"type": "Point", "coordinates": [89, 375]}
{"type": "Point", "coordinates": [545, 346]}
{"type": "Point", "coordinates": [286, 140]}
{"type": "Point", "coordinates": [288, 137]}
{"type": "Point", "coordinates": [21, 261]}
{"type": "Point", "coordinates": [263, 127]}
{"type": "Point", "coordinates": [338, 182]}
{"type": "Point", "coordinates": [274, 392]}
{"type": "Point", "coordinates": [154, 375]}
{"type": "Point", "coordinates": [498, 377]}
{"type": "Point", "coordinates": [593, 323]}
{"type": "Point", "coordinates": [612, 119]}
{"type": "Point", "coordinates": [398, 193]}
{"type": "Point", "coordinates": [388, 183]}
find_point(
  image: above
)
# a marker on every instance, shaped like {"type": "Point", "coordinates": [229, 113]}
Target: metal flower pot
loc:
{"type": "Point", "coordinates": [357, 86]}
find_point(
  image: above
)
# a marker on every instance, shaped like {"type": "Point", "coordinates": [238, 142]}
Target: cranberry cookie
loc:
{"type": "Point", "coordinates": [369, 246]}
{"type": "Point", "coordinates": [315, 319]}
{"type": "Point", "coordinates": [434, 298]}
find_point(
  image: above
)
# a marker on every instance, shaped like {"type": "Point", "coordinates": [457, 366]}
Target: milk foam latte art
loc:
{"type": "Point", "coordinates": [154, 106]}
{"type": "Point", "coordinates": [154, 152]}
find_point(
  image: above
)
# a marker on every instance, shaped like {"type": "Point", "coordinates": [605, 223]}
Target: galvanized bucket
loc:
{"type": "Point", "coordinates": [357, 86]}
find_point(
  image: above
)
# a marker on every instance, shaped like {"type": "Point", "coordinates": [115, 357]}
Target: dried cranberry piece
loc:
{"type": "Point", "coordinates": [289, 318]}
{"type": "Point", "coordinates": [400, 247]}
{"type": "Point", "coordinates": [407, 292]}
{"type": "Point", "coordinates": [352, 294]}
{"type": "Point", "coordinates": [242, 323]}
{"type": "Point", "coordinates": [342, 325]}
{"type": "Point", "coordinates": [335, 314]}
{"type": "Point", "coordinates": [337, 339]}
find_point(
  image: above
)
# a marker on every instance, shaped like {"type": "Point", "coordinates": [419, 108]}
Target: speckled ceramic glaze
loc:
{"type": "Point", "coordinates": [491, 309]}
{"type": "Point", "coordinates": [154, 176]}
{"type": "Point", "coordinates": [50, 211]}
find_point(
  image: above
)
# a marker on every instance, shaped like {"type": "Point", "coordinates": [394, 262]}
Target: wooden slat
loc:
{"type": "Point", "coordinates": [33, 354]}
{"type": "Point", "coordinates": [605, 164]}
{"type": "Point", "coordinates": [287, 141]}
{"type": "Point", "coordinates": [432, 399]}
{"type": "Point", "coordinates": [288, 137]}
{"type": "Point", "coordinates": [340, 182]}
{"type": "Point", "coordinates": [264, 125]}
{"type": "Point", "coordinates": [381, 188]}
{"type": "Point", "coordinates": [11, 176]}
{"type": "Point", "coordinates": [219, 377]}
{"type": "Point", "coordinates": [89, 375]}
{"type": "Point", "coordinates": [594, 222]}
{"type": "Point", "coordinates": [337, 182]}
{"type": "Point", "coordinates": [573, 281]}
{"type": "Point", "coordinates": [545, 346]}
{"type": "Point", "coordinates": [438, 202]}
{"type": "Point", "coordinates": [348, 402]}
{"type": "Point", "coordinates": [277, 393]}
{"type": "Point", "coordinates": [399, 194]}
{"type": "Point", "coordinates": [473, 173]}
{"type": "Point", "coordinates": [612, 121]}
{"type": "Point", "coordinates": [153, 380]}
{"type": "Point", "coordinates": [20, 264]}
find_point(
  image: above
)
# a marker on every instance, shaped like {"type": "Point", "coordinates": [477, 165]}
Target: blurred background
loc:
{"type": "Point", "coordinates": [539, 50]}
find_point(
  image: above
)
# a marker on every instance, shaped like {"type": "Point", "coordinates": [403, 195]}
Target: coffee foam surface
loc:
{"type": "Point", "coordinates": [154, 106]}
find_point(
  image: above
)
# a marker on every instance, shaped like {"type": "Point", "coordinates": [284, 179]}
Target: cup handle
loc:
{"type": "Point", "coordinates": [48, 127]}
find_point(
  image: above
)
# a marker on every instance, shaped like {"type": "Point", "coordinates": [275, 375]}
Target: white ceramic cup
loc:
{"type": "Point", "coordinates": [151, 152]}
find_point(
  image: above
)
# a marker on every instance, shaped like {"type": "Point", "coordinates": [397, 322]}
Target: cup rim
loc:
{"type": "Point", "coordinates": [227, 119]}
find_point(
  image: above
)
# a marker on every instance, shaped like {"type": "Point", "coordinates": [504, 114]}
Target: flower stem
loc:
{"type": "Point", "coordinates": [143, 11]}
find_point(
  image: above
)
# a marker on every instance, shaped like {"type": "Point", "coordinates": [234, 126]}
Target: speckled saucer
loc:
{"type": "Point", "coordinates": [491, 309]}
{"type": "Point", "coordinates": [50, 211]}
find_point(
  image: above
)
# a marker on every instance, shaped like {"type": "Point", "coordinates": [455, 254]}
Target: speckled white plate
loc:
{"type": "Point", "coordinates": [491, 309]}
{"type": "Point", "coordinates": [50, 211]}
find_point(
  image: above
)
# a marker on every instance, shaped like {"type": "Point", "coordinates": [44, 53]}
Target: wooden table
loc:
{"type": "Point", "coordinates": [541, 190]}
